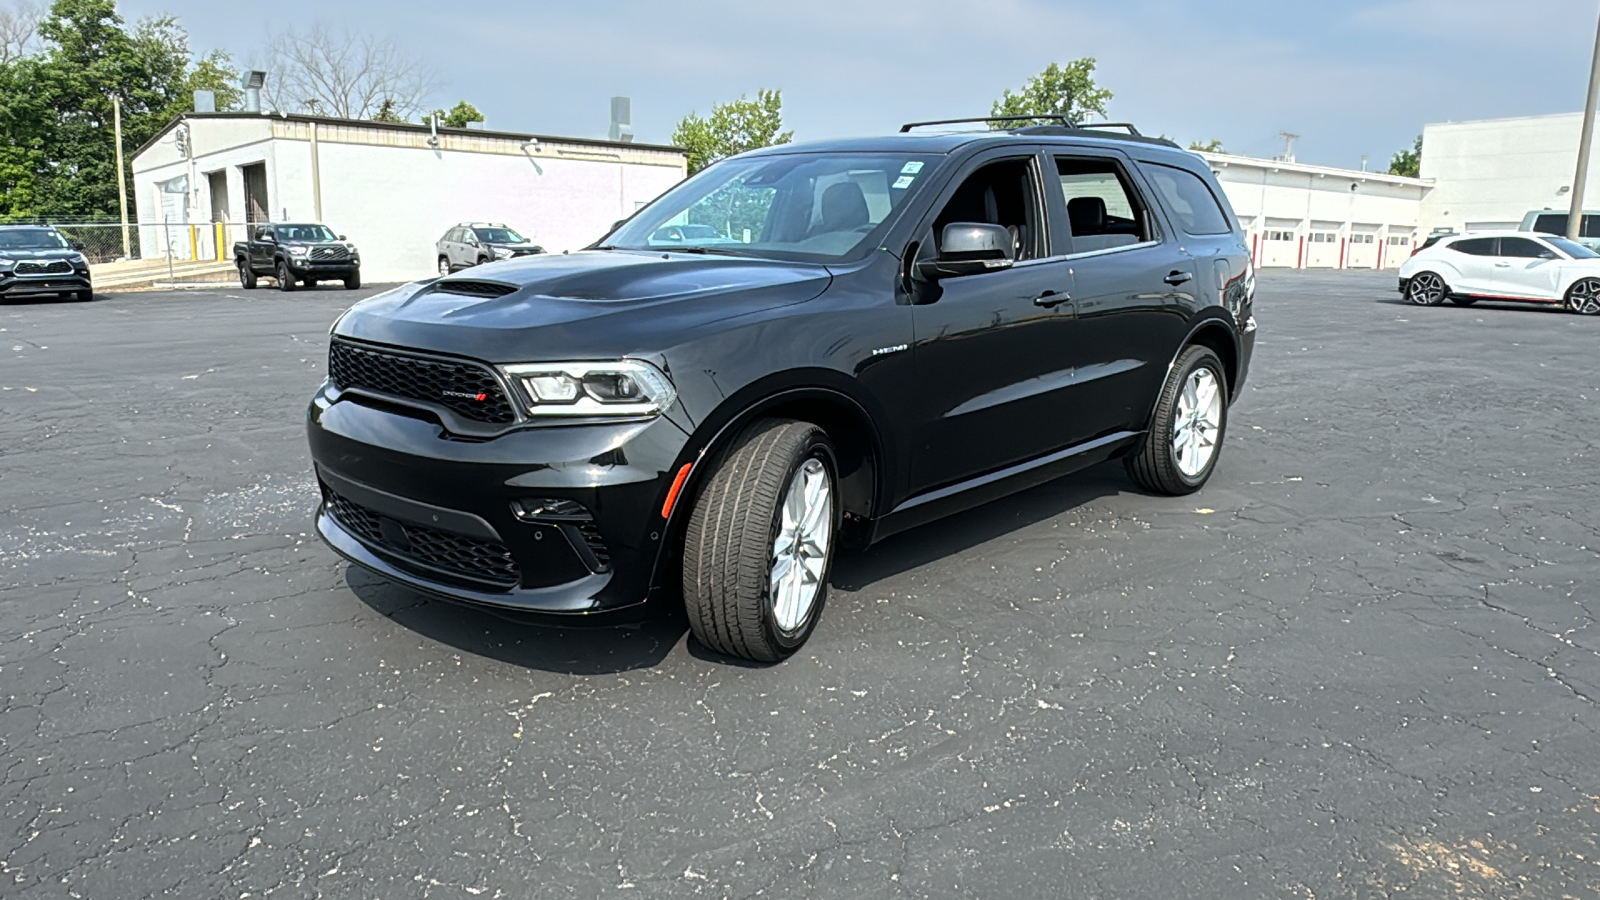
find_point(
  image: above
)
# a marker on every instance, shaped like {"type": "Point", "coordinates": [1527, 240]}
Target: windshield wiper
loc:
{"type": "Point", "coordinates": [720, 251]}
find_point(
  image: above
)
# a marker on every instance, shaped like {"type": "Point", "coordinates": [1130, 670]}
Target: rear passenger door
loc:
{"type": "Point", "coordinates": [1473, 260]}
{"type": "Point", "coordinates": [1131, 284]}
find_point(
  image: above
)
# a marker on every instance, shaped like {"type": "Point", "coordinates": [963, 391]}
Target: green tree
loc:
{"type": "Point", "coordinates": [1408, 162]}
{"type": "Point", "coordinates": [1067, 91]}
{"type": "Point", "coordinates": [57, 155]}
{"type": "Point", "coordinates": [388, 111]}
{"type": "Point", "coordinates": [1211, 146]}
{"type": "Point", "coordinates": [732, 128]}
{"type": "Point", "coordinates": [457, 117]}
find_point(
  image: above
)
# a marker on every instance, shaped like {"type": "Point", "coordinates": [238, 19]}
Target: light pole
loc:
{"type": "Point", "coordinates": [122, 181]}
{"type": "Point", "coordinates": [1585, 145]}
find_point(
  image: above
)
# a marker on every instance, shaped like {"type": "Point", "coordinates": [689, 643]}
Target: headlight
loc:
{"type": "Point", "coordinates": [627, 387]}
{"type": "Point", "coordinates": [7, 265]}
{"type": "Point", "coordinates": [297, 251]}
{"type": "Point", "coordinates": [503, 253]}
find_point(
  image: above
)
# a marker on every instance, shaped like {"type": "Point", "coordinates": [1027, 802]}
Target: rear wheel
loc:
{"type": "Point", "coordinates": [760, 542]}
{"type": "Point", "coordinates": [1584, 297]}
{"type": "Point", "coordinates": [285, 280]}
{"type": "Point", "coordinates": [1177, 455]}
{"type": "Point", "coordinates": [247, 276]}
{"type": "Point", "coordinates": [1427, 289]}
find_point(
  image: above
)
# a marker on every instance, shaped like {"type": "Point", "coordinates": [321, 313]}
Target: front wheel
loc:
{"type": "Point", "coordinates": [444, 265]}
{"type": "Point", "coordinates": [247, 276]}
{"type": "Point", "coordinates": [760, 542]}
{"type": "Point", "coordinates": [1177, 455]}
{"type": "Point", "coordinates": [352, 281]}
{"type": "Point", "coordinates": [1427, 289]}
{"type": "Point", "coordinates": [285, 279]}
{"type": "Point", "coordinates": [83, 296]}
{"type": "Point", "coordinates": [1584, 297]}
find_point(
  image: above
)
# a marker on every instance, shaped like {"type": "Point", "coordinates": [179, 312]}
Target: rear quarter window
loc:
{"type": "Point", "coordinates": [1189, 199]}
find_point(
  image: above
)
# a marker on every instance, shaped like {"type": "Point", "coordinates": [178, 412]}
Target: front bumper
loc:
{"type": "Point", "coordinates": [12, 285]}
{"type": "Point", "coordinates": [316, 268]}
{"type": "Point", "coordinates": [469, 520]}
{"type": "Point", "coordinates": [1404, 284]}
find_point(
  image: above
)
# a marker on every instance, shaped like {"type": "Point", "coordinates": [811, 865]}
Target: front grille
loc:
{"type": "Point", "coordinates": [326, 254]}
{"type": "Point", "coordinates": [469, 288]}
{"type": "Point", "coordinates": [468, 389]}
{"type": "Point", "coordinates": [55, 267]}
{"type": "Point", "coordinates": [471, 557]}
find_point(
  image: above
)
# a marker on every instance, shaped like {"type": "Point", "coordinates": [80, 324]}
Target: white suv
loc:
{"type": "Point", "coordinates": [1504, 265]}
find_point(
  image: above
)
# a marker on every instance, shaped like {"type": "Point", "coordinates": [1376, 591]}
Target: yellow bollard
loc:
{"type": "Point", "coordinates": [194, 244]}
{"type": "Point", "coordinates": [220, 257]}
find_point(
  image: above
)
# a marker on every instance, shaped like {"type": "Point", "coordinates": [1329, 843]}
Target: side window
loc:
{"type": "Point", "coordinates": [1189, 199]}
{"type": "Point", "coordinates": [1520, 248]}
{"type": "Point", "coordinates": [1000, 193]}
{"type": "Point", "coordinates": [1103, 208]}
{"type": "Point", "coordinates": [263, 233]}
{"type": "Point", "coordinates": [1474, 246]}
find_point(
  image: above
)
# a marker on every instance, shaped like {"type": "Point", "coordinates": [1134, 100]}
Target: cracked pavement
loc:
{"type": "Point", "coordinates": [1361, 663]}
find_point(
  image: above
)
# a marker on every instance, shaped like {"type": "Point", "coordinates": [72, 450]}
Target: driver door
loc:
{"type": "Point", "coordinates": [1526, 268]}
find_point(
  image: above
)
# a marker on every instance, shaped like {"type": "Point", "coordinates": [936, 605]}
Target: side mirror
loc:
{"type": "Point", "coordinates": [343, 238]}
{"type": "Point", "coordinates": [77, 245]}
{"type": "Point", "coordinates": [969, 248]}
{"type": "Point", "coordinates": [1549, 254]}
{"type": "Point", "coordinates": [617, 224]}
{"type": "Point", "coordinates": [269, 237]}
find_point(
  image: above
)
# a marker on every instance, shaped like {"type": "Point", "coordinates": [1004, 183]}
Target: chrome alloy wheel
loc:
{"type": "Point", "coordinates": [800, 551]}
{"type": "Point", "coordinates": [1198, 423]}
{"type": "Point", "coordinates": [1426, 289]}
{"type": "Point", "coordinates": [1584, 298]}
{"type": "Point", "coordinates": [444, 266]}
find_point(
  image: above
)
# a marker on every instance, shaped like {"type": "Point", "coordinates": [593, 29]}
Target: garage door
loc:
{"type": "Point", "coordinates": [1363, 250]}
{"type": "Point", "coordinates": [1322, 250]}
{"type": "Point", "coordinates": [1280, 248]}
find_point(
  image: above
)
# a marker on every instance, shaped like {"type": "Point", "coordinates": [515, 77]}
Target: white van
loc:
{"type": "Point", "coordinates": [1552, 221]}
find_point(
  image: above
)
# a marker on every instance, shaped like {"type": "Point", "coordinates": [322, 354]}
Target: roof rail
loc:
{"type": "Point", "coordinates": [1065, 122]}
{"type": "Point", "coordinates": [1127, 126]}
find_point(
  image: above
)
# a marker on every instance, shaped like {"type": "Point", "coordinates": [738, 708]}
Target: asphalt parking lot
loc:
{"type": "Point", "coordinates": [1361, 663]}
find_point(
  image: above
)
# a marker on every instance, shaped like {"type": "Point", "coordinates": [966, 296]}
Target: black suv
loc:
{"type": "Point", "coordinates": [36, 259]}
{"type": "Point", "coordinates": [905, 326]}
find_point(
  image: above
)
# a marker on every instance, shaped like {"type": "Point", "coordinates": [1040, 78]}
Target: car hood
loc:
{"type": "Point", "coordinates": [55, 253]}
{"type": "Point", "coordinates": [588, 305]}
{"type": "Point", "coordinates": [342, 245]}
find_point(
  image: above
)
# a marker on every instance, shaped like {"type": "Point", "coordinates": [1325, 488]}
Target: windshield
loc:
{"type": "Point", "coordinates": [499, 236]}
{"type": "Point", "coordinates": [811, 207]}
{"type": "Point", "coordinates": [31, 239]}
{"type": "Point", "coordinates": [310, 233]}
{"type": "Point", "coordinates": [1572, 248]}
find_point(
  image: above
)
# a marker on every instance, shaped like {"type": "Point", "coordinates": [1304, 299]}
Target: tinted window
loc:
{"type": "Point", "coordinates": [1556, 223]}
{"type": "Point", "coordinates": [31, 239]}
{"type": "Point", "coordinates": [1103, 209]}
{"type": "Point", "coordinates": [1572, 248]}
{"type": "Point", "coordinates": [1000, 193]}
{"type": "Point", "coordinates": [1475, 246]}
{"type": "Point", "coordinates": [1520, 248]}
{"type": "Point", "coordinates": [1189, 199]}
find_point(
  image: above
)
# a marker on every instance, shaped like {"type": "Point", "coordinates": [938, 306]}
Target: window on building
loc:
{"type": "Point", "coordinates": [1279, 235]}
{"type": "Point", "coordinates": [1189, 199]}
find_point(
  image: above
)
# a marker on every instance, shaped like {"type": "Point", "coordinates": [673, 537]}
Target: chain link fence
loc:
{"type": "Point", "coordinates": [102, 238]}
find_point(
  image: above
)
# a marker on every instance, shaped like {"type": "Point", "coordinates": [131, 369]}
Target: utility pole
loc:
{"type": "Point", "coordinates": [1288, 145]}
{"type": "Point", "coordinates": [122, 180]}
{"type": "Point", "coordinates": [1585, 145]}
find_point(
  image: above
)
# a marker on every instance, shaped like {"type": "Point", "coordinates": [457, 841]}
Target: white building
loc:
{"type": "Point", "coordinates": [393, 189]}
{"type": "Point", "coordinates": [1490, 174]}
{"type": "Point", "coordinates": [1315, 217]}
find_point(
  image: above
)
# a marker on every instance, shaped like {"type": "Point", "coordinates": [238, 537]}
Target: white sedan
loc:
{"type": "Point", "coordinates": [1508, 265]}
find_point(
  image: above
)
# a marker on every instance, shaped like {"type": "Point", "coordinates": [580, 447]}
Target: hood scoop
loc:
{"type": "Point", "coordinates": [471, 288]}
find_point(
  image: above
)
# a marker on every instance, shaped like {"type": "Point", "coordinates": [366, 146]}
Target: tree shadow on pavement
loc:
{"type": "Point", "coordinates": [590, 647]}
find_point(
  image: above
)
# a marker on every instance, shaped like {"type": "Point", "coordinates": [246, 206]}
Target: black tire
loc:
{"type": "Point", "coordinates": [444, 266]}
{"type": "Point", "coordinates": [83, 296]}
{"type": "Point", "coordinates": [285, 278]}
{"type": "Point", "coordinates": [247, 276]}
{"type": "Point", "coordinates": [481, 260]}
{"type": "Point", "coordinates": [730, 542]}
{"type": "Point", "coordinates": [1427, 289]}
{"type": "Point", "coordinates": [353, 281]}
{"type": "Point", "coordinates": [1459, 300]}
{"type": "Point", "coordinates": [1154, 465]}
{"type": "Point", "coordinates": [1583, 298]}
{"type": "Point", "coordinates": [308, 282]}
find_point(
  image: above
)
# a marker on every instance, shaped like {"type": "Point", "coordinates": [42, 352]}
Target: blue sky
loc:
{"type": "Point", "coordinates": [1354, 77]}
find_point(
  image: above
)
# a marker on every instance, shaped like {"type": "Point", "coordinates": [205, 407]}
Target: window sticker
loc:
{"type": "Point", "coordinates": [911, 168]}
{"type": "Point", "coordinates": [903, 182]}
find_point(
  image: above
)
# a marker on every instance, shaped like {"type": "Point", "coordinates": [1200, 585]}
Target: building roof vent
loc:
{"type": "Point", "coordinates": [622, 120]}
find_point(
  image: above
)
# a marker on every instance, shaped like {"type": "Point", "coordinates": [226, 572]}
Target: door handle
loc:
{"type": "Point", "coordinates": [1177, 278]}
{"type": "Point", "coordinates": [1052, 299]}
{"type": "Point", "coordinates": [1502, 265]}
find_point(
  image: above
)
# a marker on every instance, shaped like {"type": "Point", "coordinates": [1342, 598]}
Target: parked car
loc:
{"type": "Point", "coordinates": [297, 254]}
{"type": "Point", "coordinates": [920, 323]}
{"type": "Point", "coordinates": [36, 260]}
{"type": "Point", "coordinates": [476, 243]}
{"type": "Point", "coordinates": [1510, 265]}
{"type": "Point", "coordinates": [1549, 221]}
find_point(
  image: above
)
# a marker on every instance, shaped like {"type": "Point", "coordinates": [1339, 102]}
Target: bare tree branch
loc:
{"type": "Point", "coordinates": [19, 29]}
{"type": "Point", "coordinates": [336, 73]}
